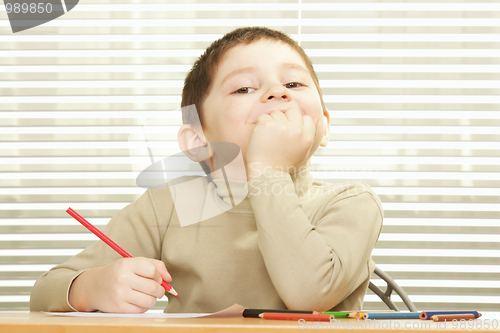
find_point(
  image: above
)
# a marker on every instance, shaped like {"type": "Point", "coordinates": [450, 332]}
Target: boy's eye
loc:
{"type": "Point", "coordinates": [286, 85]}
{"type": "Point", "coordinates": [243, 90]}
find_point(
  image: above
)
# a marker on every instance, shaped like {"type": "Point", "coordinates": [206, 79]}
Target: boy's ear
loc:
{"type": "Point", "coordinates": [326, 133]}
{"type": "Point", "coordinates": [193, 144]}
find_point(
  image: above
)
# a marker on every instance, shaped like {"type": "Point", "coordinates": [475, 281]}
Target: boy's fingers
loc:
{"type": "Point", "coordinates": [162, 270]}
{"type": "Point", "coordinates": [147, 286]}
{"type": "Point", "coordinates": [277, 115]}
{"type": "Point", "coordinates": [143, 267]}
{"type": "Point", "coordinates": [263, 118]}
{"type": "Point", "coordinates": [142, 300]}
{"type": "Point", "coordinates": [152, 269]}
{"type": "Point", "coordinates": [294, 115]}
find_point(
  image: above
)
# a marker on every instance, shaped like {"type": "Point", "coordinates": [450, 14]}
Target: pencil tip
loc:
{"type": "Point", "coordinates": [173, 292]}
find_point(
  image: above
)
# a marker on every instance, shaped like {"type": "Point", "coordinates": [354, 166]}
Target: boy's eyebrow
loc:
{"type": "Point", "coordinates": [285, 65]}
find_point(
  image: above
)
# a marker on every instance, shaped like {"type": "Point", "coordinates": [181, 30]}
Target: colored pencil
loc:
{"type": "Point", "coordinates": [392, 315]}
{"type": "Point", "coordinates": [295, 316]}
{"type": "Point", "coordinates": [426, 315]}
{"type": "Point", "coordinates": [359, 314]}
{"type": "Point", "coordinates": [254, 313]}
{"type": "Point", "coordinates": [112, 244]}
{"type": "Point", "coordinates": [338, 314]}
{"type": "Point", "coordinates": [452, 317]}
{"type": "Point", "coordinates": [355, 314]}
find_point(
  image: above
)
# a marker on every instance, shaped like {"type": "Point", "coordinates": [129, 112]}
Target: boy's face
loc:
{"type": "Point", "coordinates": [256, 79]}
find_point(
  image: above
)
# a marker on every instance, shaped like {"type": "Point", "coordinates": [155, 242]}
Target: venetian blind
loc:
{"type": "Point", "coordinates": [413, 93]}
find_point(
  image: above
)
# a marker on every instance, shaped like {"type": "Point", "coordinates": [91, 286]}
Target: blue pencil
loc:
{"type": "Point", "coordinates": [392, 315]}
{"type": "Point", "coordinates": [426, 315]}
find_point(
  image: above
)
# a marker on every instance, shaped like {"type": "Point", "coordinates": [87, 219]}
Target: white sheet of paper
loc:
{"type": "Point", "coordinates": [233, 311]}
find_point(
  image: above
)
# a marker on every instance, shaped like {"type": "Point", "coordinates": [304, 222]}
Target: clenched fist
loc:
{"type": "Point", "coordinates": [281, 141]}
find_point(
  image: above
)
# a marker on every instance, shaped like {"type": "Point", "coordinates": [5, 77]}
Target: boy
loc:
{"type": "Point", "coordinates": [291, 243]}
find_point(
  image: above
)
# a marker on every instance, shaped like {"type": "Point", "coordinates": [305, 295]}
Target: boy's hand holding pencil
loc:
{"type": "Point", "coordinates": [128, 285]}
{"type": "Point", "coordinates": [281, 140]}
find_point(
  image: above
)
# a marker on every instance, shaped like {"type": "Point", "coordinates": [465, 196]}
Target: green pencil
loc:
{"type": "Point", "coordinates": [338, 314]}
{"type": "Point", "coordinates": [345, 314]}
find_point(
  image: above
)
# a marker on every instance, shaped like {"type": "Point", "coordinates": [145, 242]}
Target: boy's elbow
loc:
{"type": "Point", "coordinates": [36, 302]}
{"type": "Point", "coordinates": [333, 289]}
{"type": "Point", "coordinates": [316, 298]}
{"type": "Point", "coordinates": [50, 291]}
{"type": "Point", "coordinates": [37, 295]}
{"type": "Point", "coordinates": [315, 301]}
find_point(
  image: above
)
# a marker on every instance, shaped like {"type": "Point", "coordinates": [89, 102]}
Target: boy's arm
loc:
{"type": "Point", "coordinates": [135, 228]}
{"type": "Point", "coordinates": [314, 267]}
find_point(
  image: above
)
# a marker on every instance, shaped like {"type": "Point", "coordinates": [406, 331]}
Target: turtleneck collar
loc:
{"type": "Point", "coordinates": [302, 182]}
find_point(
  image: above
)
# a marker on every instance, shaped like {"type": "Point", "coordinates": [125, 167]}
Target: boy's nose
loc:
{"type": "Point", "coordinates": [278, 92]}
{"type": "Point", "coordinates": [283, 96]}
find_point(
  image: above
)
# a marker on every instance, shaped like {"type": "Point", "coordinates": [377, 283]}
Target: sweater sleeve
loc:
{"type": "Point", "coordinates": [134, 228]}
{"type": "Point", "coordinates": [314, 266]}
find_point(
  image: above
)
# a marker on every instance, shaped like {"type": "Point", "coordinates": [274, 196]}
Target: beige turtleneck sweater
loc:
{"type": "Point", "coordinates": [293, 242]}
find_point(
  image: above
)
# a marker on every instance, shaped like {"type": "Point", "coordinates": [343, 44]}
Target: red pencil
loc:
{"type": "Point", "coordinates": [295, 316]}
{"type": "Point", "coordinates": [113, 245]}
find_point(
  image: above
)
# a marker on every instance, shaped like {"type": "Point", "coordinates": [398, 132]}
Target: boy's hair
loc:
{"type": "Point", "coordinates": [199, 80]}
